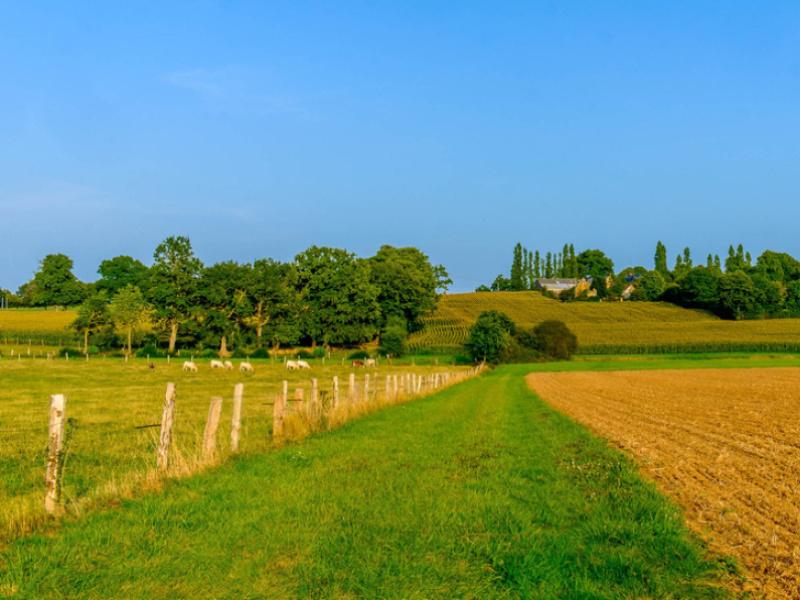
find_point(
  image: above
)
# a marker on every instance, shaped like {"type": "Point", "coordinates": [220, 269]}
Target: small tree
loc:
{"type": "Point", "coordinates": [393, 337]}
{"type": "Point", "coordinates": [129, 311]}
{"type": "Point", "coordinates": [92, 316]}
{"type": "Point", "coordinates": [490, 336]}
{"type": "Point", "coordinates": [553, 339]}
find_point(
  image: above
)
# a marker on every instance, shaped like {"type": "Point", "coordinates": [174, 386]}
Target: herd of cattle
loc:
{"type": "Point", "coordinates": [245, 367]}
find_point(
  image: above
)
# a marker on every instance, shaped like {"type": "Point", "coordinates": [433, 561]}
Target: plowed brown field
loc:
{"type": "Point", "coordinates": [725, 444]}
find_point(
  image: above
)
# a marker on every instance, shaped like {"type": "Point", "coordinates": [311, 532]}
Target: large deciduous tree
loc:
{"type": "Point", "coordinates": [406, 282]}
{"type": "Point", "coordinates": [115, 273]}
{"type": "Point", "coordinates": [92, 316]}
{"type": "Point", "coordinates": [54, 284]}
{"type": "Point", "coordinates": [338, 302]}
{"type": "Point", "coordinates": [223, 292]}
{"type": "Point", "coordinates": [274, 298]}
{"type": "Point", "coordinates": [173, 283]}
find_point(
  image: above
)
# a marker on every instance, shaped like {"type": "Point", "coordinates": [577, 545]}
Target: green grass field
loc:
{"type": "Point", "coordinates": [114, 409]}
{"type": "Point", "coordinates": [609, 327]}
{"type": "Point", "coordinates": [21, 328]}
{"type": "Point", "coordinates": [481, 491]}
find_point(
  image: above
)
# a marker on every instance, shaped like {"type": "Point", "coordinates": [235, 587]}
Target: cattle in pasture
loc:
{"type": "Point", "coordinates": [301, 364]}
{"type": "Point", "coordinates": [292, 365]}
{"type": "Point", "coordinates": [228, 365]}
{"type": "Point", "coordinates": [370, 362]}
{"type": "Point", "coordinates": [358, 363]}
{"type": "Point", "coordinates": [190, 366]}
{"type": "Point", "coordinates": [217, 364]}
{"type": "Point", "coordinates": [246, 367]}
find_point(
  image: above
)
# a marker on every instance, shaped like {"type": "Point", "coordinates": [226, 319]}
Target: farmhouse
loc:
{"type": "Point", "coordinates": [558, 286]}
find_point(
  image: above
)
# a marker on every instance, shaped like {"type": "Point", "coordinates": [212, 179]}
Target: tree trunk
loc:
{"type": "Point", "coordinates": [223, 347]}
{"type": "Point", "coordinates": [259, 323]}
{"type": "Point", "coordinates": [173, 336]}
{"type": "Point", "coordinates": [130, 339]}
{"type": "Point", "coordinates": [86, 341]}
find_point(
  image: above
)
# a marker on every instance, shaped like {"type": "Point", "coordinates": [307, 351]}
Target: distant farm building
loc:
{"type": "Point", "coordinates": [559, 286]}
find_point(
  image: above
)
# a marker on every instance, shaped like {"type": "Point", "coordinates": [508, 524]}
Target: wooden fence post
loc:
{"type": "Point", "coordinates": [210, 433]}
{"type": "Point", "coordinates": [335, 400]}
{"type": "Point", "coordinates": [314, 406]}
{"type": "Point", "coordinates": [236, 416]}
{"type": "Point", "coordinates": [396, 388]}
{"type": "Point", "coordinates": [278, 410]}
{"type": "Point", "coordinates": [366, 388]}
{"type": "Point", "coordinates": [167, 419]}
{"type": "Point", "coordinates": [388, 390]}
{"type": "Point", "coordinates": [351, 389]}
{"type": "Point", "coordinates": [55, 446]}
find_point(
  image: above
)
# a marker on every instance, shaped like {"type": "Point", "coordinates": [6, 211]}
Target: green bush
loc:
{"type": "Point", "coordinates": [393, 337]}
{"type": "Point", "coordinates": [71, 351]}
{"type": "Point", "coordinates": [554, 340]}
{"type": "Point", "coordinates": [260, 353]}
{"type": "Point", "coordinates": [463, 359]}
{"type": "Point", "coordinates": [490, 336]}
{"type": "Point", "coordinates": [151, 351]}
{"type": "Point", "coordinates": [359, 355]}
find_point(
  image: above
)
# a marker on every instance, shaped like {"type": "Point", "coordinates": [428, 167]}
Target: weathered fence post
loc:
{"type": "Point", "coordinates": [388, 390]}
{"type": "Point", "coordinates": [396, 388]}
{"type": "Point", "coordinates": [167, 418]}
{"type": "Point", "coordinates": [278, 410]}
{"type": "Point", "coordinates": [55, 446]}
{"type": "Point", "coordinates": [335, 400]}
{"type": "Point", "coordinates": [210, 433]}
{"type": "Point", "coordinates": [314, 406]}
{"type": "Point", "coordinates": [236, 416]}
{"type": "Point", "coordinates": [351, 389]}
{"type": "Point", "coordinates": [366, 388]}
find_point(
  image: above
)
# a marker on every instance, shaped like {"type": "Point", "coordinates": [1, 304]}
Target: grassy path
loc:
{"type": "Point", "coordinates": [479, 492]}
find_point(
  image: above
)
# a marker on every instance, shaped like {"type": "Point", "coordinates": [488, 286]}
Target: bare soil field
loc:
{"type": "Point", "coordinates": [723, 443]}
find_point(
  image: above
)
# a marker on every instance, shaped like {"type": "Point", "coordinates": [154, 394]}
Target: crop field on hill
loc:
{"type": "Point", "coordinates": [19, 326]}
{"type": "Point", "coordinates": [722, 443]}
{"type": "Point", "coordinates": [114, 411]}
{"type": "Point", "coordinates": [609, 327]}
{"type": "Point", "coordinates": [481, 491]}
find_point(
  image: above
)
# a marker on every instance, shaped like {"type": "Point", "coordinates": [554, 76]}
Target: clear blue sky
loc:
{"type": "Point", "coordinates": [261, 128]}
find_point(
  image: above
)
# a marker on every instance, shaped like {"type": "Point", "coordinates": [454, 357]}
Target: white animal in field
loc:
{"type": "Point", "coordinates": [246, 367]}
{"type": "Point", "coordinates": [292, 365]}
{"type": "Point", "coordinates": [217, 364]}
{"type": "Point", "coordinates": [301, 364]}
{"type": "Point", "coordinates": [370, 362]}
{"type": "Point", "coordinates": [189, 366]}
{"type": "Point", "coordinates": [228, 365]}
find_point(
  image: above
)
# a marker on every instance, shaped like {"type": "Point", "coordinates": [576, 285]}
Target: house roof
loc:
{"type": "Point", "coordinates": [559, 284]}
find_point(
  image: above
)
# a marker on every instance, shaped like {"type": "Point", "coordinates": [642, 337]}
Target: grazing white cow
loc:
{"type": "Point", "coordinates": [301, 364]}
{"type": "Point", "coordinates": [190, 366]}
{"type": "Point", "coordinates": [228, 365]}
{"type": "Point", "coordinates": [217, 364]}
{"type": "Point", "coordinates": [370, 362]}
{"type": "Point", "coordinates": [246, 367]}
{"type": "Point", "coordinates": [292, 365]}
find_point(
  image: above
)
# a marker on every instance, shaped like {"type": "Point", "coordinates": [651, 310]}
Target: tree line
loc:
{"type": "Point", "coordinates": [325, 296]}
{"type": "Point", "coordinates": [737, 287]}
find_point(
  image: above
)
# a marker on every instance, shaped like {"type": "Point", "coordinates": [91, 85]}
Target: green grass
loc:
{"type": "Point", "coordinates": [481, 491]}
{"type": "Point", "coordinates": [610, 327]}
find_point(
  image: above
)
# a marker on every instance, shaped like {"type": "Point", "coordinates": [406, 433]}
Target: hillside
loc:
{"type": "Point", "coordinates": [608, 326]}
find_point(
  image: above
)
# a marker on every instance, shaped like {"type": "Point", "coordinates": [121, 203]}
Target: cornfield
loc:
{"type": "Point", "coordinates": [609, 327]}
{"type": "Point", "coordinates": [18, 326]}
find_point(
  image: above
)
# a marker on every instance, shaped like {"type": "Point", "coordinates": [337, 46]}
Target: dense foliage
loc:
{"type": "Point", "coordinates": [495, 338]}
{"type": "Point", "coordinates": [325, 296]}
{"type": "Point", "coordinates": [742, 289]}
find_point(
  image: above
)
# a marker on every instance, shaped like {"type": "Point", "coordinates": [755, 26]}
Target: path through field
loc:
{"type": "Point", "coordinates": [724, 443]}
{"type": "Point", "coordinates": [481, 491]}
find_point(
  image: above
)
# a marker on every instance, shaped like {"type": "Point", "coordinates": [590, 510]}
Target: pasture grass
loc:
{"type": "Point", "coordinates": [481, 491]}
{"type": "Point", "coordinates": [114, 412]}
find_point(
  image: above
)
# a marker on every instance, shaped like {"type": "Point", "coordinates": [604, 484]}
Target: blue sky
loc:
{"type": "Point", "coordinates": [261, 128]}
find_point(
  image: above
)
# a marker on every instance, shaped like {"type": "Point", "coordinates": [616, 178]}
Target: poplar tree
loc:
{"type": "Point", "coordinates": [661, 259]}
{"type": "Point", "coordinates": [548, 265]}
{"type": "Point", "coordinates": [537, 265]}
{"type": "Point", "coordinates": [516, 269]}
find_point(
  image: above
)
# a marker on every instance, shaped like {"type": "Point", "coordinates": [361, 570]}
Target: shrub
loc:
{"type": "Point", "coordinates": [208, 353]}
{"type": "Point", "coordinates": [490, 336]}
{"type": "Point", "coordinates": [260, 353]}
{"type": "Point", "coordinates": [393, 337]}
{"type": "Point", "coordinates": [359, 355]}
{"type": "Point", "coordinates": [463, 359]}
{"type": "Point", "coordinates": [151, 351]}
{"type": "Point", "coordinates": [553, 339]}
{"type": "Point", "coordinates": [71, 351]}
